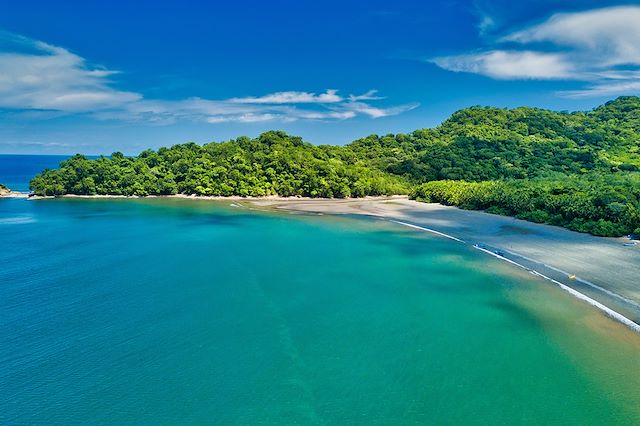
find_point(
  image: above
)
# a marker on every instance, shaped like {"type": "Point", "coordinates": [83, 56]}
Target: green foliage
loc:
{"type": "Point", "coordinates": [273, 164]}
{"type": "Point", "coordinates": [606, 205]}
{"type": "Point", "coordinates": [578, 170]}
{"type": "Point", "coordinates": [483, 143]}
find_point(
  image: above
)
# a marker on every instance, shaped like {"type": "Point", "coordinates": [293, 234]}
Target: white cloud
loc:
{"type": "Point", "coordinates": [486, 23]}
{"type": "Point", "coordinates": [604, 89]}
{"type": "Point", "coordinates": [167, 112]}
{"type": "Point", "coordinates": [600, 47]}
{"type": "Point", "coordinates": [368, 96]}
{"type": "Point", "coordinates": [54, 78]}
{"type": "Point", "coordinates": [503, 64]}
{"type": "Point", "coordinates": [255, 118]}
{"type": "Point", "coordinates": [613, 34]}
{"type": "Point", "coordinates": [375, 112]}
{"type": "Point", "coordinates": [38, 77]}
{"type": "Point", "coordinates": [330, 96]}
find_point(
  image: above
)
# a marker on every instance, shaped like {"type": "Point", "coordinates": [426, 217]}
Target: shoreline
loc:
{"type": "Point", "coordinates": [268, 198]}
{"type": "Point", "coordinates": [14, 194]}
{"type": "Point", "coordinates": [469, 227]}
{"type": "Point", "coordinates": [614, 315]}
{"type": "Point", "coordinates": [598, 265]}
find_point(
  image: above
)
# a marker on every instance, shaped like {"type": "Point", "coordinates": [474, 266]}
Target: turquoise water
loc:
{"type": "Point", "coordinates": [165, 311]}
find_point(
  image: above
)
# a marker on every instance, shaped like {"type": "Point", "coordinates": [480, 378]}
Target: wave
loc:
{"type": "Point", "coordinates": [580, 280]}
{"type": "Point", "coordinates": [607, 311]}
{"type": "Point", "coordinates": [433, 231]}
{"type": "Point", "coordinates": [18, 220]}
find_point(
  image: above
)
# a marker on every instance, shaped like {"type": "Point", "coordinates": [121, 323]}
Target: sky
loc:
{"type": "Point", "coordinates": [96, 77]}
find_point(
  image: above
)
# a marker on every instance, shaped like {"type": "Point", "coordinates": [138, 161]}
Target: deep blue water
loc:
{"type": "Point", "coordinates": [17, 170]}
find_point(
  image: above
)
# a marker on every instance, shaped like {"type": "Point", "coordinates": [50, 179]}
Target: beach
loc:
{"type": "Point", "coordinates": [603, 269]}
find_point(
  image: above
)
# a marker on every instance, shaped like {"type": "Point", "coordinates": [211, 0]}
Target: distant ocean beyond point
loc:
{"type": "Point", "coordinates": [16, 170]}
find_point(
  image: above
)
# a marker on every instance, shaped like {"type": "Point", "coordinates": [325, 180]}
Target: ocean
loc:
{"type": "Point", "coordinates": [165, 311]}
{"type": "Point", "coordinates": [17, 170]}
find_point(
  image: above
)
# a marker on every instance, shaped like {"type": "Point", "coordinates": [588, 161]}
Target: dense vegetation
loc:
{"type": "Point", "coordinates": [580, 170]}
{"type": "Point", "coordinates": [601, 205]}
{"type": "Point", "coordinates": [273, 164]}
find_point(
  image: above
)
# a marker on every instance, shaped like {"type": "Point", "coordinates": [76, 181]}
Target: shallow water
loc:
{"type": "Point", "coordinates": [165, 310]}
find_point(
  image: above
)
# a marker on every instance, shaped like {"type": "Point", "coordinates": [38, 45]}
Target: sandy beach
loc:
{"type": "Point", "coordinates": [12, 194]}
{"type": "Point", "coordinates": [601, 268]}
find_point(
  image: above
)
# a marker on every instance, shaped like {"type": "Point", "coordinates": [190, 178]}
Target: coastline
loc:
{"type": "Point", "coordinates": [598, 270]}
{"type": "Point", "coordinates": [589, 268]}
{"type": "Point", "coordinates": [13, 194]}
{"type": "Point", "coordinates": [266, 199]}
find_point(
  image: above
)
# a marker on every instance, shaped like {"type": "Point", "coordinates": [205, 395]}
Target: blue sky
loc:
{"type": "Point", "coordinates": [95, 77]}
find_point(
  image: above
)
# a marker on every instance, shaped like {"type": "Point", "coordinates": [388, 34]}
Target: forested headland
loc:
{"type": "Point", "coordinates": [580, 170]}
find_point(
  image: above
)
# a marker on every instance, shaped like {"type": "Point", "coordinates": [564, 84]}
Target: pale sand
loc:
{"type": "Point", "coordinates": [12, 194]}
{"type": "Point", "coordinates": [605, 269]}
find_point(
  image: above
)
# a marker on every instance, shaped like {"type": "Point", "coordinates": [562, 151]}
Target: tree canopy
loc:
{"type": "Point", "coordinates": [272, 164]}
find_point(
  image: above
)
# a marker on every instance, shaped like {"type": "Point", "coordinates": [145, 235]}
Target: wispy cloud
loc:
{"type": "Point", "coordinates": [223, 111]}
{"type": "Point", "coordinates": [509, 65]}
{"type": "Point", "coordinates": [42, 76]}
{"type": "Point", "coordinates": [371, 95]}
{"type": "Point", "coordinates": [600, 47]}
{"type": "Point", "coordinates": [329, 97]}
{"type": "Point", "coordinates": [39, 77]}
{"type": "Point", "coordinates": [612, 34]}
{"type": "Point", "coordinates": [375, 112]}
{"type": "Point", "coordinates": [606, 88]}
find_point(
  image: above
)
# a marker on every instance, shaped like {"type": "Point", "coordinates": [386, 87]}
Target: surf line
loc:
{"type": "Point", "coordinates": [616, 316]}
{"type": "Point", "coordinates": [583, 281]}
{"type": "Point", "coordinates": [433, 231]}
{"type": "Point", "coordinates": [607, 311]}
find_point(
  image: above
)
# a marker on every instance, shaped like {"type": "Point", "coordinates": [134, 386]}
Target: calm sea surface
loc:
{"type": "Point", "coordinates": [164, 311]}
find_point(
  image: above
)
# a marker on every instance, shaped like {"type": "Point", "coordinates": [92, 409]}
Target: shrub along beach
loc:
{"type": "Point", "coordinates": [578, 170]}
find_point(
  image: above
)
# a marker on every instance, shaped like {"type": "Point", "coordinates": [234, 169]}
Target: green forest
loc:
{"type": "Point", "coordinates": [580, 170]}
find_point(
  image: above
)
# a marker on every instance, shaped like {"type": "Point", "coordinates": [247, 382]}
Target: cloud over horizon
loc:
{"type": "Point", "coordinates": [38, 77]}
{"type": "Point", "coordinates": [599, 47]}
